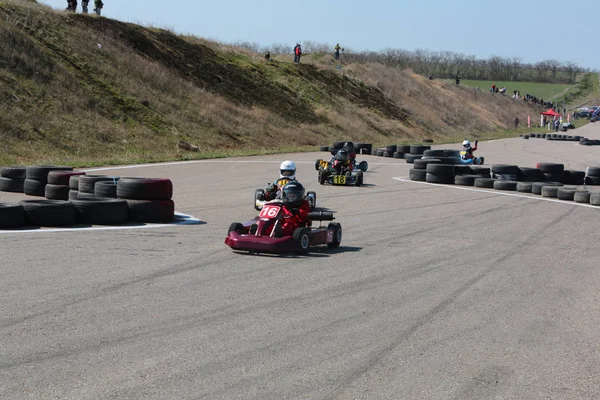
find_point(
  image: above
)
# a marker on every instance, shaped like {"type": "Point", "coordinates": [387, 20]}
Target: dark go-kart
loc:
{"type": "Point", "coordinates": [345, 177]}
{"type": "Point", "coordinates": [263, 234]}
{"type": "Point", "coordinates": [260, 201]}
{"type": "Point", "coordinates": [362, 166]}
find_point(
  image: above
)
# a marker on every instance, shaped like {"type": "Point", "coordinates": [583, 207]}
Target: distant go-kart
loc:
{"type": "Point", "coordinates": [474, 160]}
{"type": "Point", "coordinates": [362, 166]}
{"type": "Point", "coordinates": [260, 201]}
{"type": "Point", "coordinates": [263, 234]}
{"type": "Point", "coordinates": [346, 177]}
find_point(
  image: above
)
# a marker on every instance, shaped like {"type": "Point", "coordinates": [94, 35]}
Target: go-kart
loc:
{"type": "Point", "coordinates": [260, 200]}
{"type": "Point", "coordinates": [346, 177]}
{"type": "Point", "coordinates": [465, 159]}
{"type": "Point", "coordinates": [263, 234]}
{"type": "Point", "coordinates": [362, 166]}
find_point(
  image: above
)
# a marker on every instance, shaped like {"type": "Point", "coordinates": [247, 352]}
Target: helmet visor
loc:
{"type": "Point", "coordinates": [287, 172]}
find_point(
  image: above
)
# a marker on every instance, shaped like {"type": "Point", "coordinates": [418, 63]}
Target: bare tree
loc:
{"type": "Point", "coordinates": [572, 70]}
{"type": "Point", "coordinates": [553, 65]}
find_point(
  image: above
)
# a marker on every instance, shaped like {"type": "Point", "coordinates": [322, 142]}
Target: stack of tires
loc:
{"type": "Point", "coordinates": [416, 152]}
{"type": "Point", "coordinates": [401, 150]}
{"type": "Point", "coordinates": [12, 179]}
{"type": "Point", "coordinates": [86, 185]}
{"type": "Point", "coordinates": [36, 179]}
{"type": "Point", "coordinates": [58, 184]}
{"type": "Point", "coordinates": [592, 176]}
{"type": "Point", "coordinates": [440, 173]}
{"type": "Point", "coordinates": [419, 172]}
{"type": "Point", "coordinates": [447, 156]}
{"type": "Point", "coordinates": [466, 174]}
{"type": "Point", "coordinates": [148, 199]}
{"type": "Point", "coordinates": [12, 216]}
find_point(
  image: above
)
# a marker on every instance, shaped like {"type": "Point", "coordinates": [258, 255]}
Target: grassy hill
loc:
{"type": "Point", "coordinates": [83, 90]}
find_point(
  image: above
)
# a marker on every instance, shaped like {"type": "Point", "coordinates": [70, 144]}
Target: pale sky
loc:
{"type": "Point", "coordinates": [532, 30]}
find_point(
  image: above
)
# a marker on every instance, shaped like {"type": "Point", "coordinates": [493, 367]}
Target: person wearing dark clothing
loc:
{"type": "Point", "coordinates": [72, 5]}
{"type": "Point", "coordinates": [297, 53]}
{"type": "Point", "coordinates": [516, 122]}
{"type": "Point", "coordinates": [268, 56]}
{"type": "Point", "coordinates": [336, 53]}
{"type": "Point", "coordinates": [84, 6]}
{"type": "Point", "coordinates": [98, 4]}
{"type": "Point", "coordinates": [458, 79]}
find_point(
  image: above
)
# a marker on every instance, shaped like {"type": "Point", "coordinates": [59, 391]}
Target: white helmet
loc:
{"type": "Point", "coordinates": [466, 144]}
{"type": "Point", "coordinates": [287, 169]}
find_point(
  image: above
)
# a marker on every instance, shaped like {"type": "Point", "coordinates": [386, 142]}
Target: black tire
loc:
{"type": "Point", "coordinates": [302, 236]}
{"type": "Point", "coordinates": [13, 172]}
{"type": "Point", "coordinates": [387, 154]}
{"type": "Point", "coordinates": [102, 211]}
{"type": "Point", "coordinates": [105, 189]}
{"type": "Point", "coordinates": [363, 166]}
{"type": "Point", "coordinates": [380, 153]}
{"type": "Point", "coordinates": [536, 188]}
{"type": "Point", "coordinates": [418, 149]}
{"type": "Point", "coordinates": [322, 176]}
{"type": "Point", "coordinates": [530, 175]}
{"type": "Point", "coordinates": [592, 180]}
{"type": "Point", "coordinates": [145, 189]}
{"type": "Point", "coordinates": [317, 164]}
{"type": "Point", "coordinates": [595, 199]}
{"type": "Point", "coordinates": [365, 151]}
{"type": "Point", "coordinates": [11, 185]}
{"type": "Point", "coordinates": [451, 153]}
{"type": "Point", "coordinates": [85, 196]}
{"type": "Point", "coordinates": [550, 191]}
{"type": "Point", "coordinates": [324, 148]}
{"type": "Point", "coordinates": [337, 234]}
{"type": "Point", "coordinates": [49, 212]}
{"type": "Point", "coordinates": [575, 177]}
{"type": "Point", "coordinates": [524, 187]}
{"type": "Point", "coordinates": [391, 148]}
{"type": "Point", "coordinates": [359, 178]}
{"type": "Point", "coordinates": [487, 183]}
{"type": "Point", "coordinates": [592, 171]}
{"type": "Point", "coordinates": [504, 169]}
{"type": "Point", "coordinates": [506, 185]}
{"type": "Point", "coordinates": [32, 187]}
{"type": "Point", "coordinates": [586, 143]}
{"type": "Point", "coordinates": [483, 171]}
{"type": "Point", "coordinates": [427, 140]}
{"type": "Point", "coordinates": [398, 155]}
{"type": "Point", "coordinates": [462, 170]}
{"type": "Point", "coordinates": [417, 175]}
{"type": "Point", "coordinates": [156, 211]}
{"type": "Point", "coordinates": [74, 182]}
{"type": "Point", "coordinates": [236, 227]}
{"type": "Point", "coordinates": [11, 216]}
{"type": "Point", "coordinates": [62, 177]}
{"type": "Point", "coordinates": [582, 197]}
{"type": "Point", "coordinates": [373, 152]}
{"type": "Point", "coordinates": [40, 172]}
{"type": "Point", "coordinates": [551, 168]}
{"type": "Point", "coordinates": [434, 178]}
{"type": "Point", "coordinates": [553, 177]}
{"type": "Point", "coordinates": [441, 169]}
{"type": "Point", "coordinates": [56, 192]}
{"type": "Point", "coordinates": [465, 180]}
{"type": "Point", "coordinates": [320, 216]}
{"type": "Point", "coordinates": [402, 148]}
{"type": "Point", "coordinates": [434, 153]}
{"type": "Point", "coordinates": [410, 158]}
{"type": "Point", "coordinates": [566, 194]}
{"type": "Point", "coordinates": [338, 145]}
{"type": "Point", "coordinates": [87, 182]}
{"type": "Point", "coordinates": [421, 163]}
{"type": "Point", "coordinates": [73, 194]}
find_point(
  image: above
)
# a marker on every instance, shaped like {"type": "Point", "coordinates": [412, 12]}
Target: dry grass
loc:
{"type": "Point", "coordinates": [131, 99]}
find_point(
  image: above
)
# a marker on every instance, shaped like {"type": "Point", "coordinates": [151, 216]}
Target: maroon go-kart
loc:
{"type": "Point", "coordinates": [263, 234]}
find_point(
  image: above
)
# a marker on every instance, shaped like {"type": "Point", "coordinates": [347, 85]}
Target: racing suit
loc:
{"type": "Point", "coordinates": [294, 218]}
{"type": "Point", "coordinates": [337, 166]}
{"type": "Point", "coordinates": [468, 154]}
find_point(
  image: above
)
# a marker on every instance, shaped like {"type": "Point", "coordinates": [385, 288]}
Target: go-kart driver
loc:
{"type": "Point", "coordinates": [349, 147]}
{"type": "Point", "coordinates": [467, 151]}
{"type": "Point", "coordinates": [295, 208]}
{"type": "Point", "coordinates": [287, 173]}
{"type": "Point", "coordinates": [341, 160]}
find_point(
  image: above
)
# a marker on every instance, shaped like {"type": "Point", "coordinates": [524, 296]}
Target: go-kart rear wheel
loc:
{"type": "Point", "coordinates": [359, 178]}
{"type": "Point", "coordinates": [317, 164]}
{"type": "Point", "coordinates": [363, 166]}
{"type": "Point", "coordinates": [336, 227]}
{"type": "Point", "coordinates": [236, 227]}
{"type": "Point", "coordinates": [301, 235]}
{"type": "Point", "coordinates": [322, 176]}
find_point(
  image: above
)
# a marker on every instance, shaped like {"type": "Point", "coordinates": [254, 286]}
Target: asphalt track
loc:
{"type": "Point", "coordinates": [435, 293]}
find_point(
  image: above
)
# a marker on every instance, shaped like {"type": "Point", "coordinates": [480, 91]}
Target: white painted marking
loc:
{"type": "Point", "coordinates": [180, 219]}
{"type": "Point", "coordinates": [498, 192]}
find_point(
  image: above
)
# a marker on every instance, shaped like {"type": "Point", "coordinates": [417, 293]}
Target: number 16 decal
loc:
{"type": "Point", "coordinates": [269, 211]}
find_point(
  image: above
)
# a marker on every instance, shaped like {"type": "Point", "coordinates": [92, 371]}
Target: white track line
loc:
{"type": "Point", "coordinates": [180, 219]}
{"type": "Point", "coordinates": [497, 192]}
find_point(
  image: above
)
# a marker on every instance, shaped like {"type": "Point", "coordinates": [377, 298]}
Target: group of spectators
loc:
{"type": "Point", "coordinates": [72, 6]}
{"type": "Point", "coordinates": [298, 53]}
{"type": "Point", "coordinates": [527, 97]}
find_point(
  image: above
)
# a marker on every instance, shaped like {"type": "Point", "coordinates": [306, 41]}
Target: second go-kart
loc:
{"type": "Point", "coordinates": [263, 234]}
{"type": "Point", "coordinates": [362, 166]}
{"type": "Point", "coordinates": [470, 161]}
{"type": "Point", "coordinates": [260, 200]}
{"type": "Point", "coordinates": [345, 177]}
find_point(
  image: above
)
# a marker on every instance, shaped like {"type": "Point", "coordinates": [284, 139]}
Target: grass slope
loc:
{"type": "Point", "coordinates": [546, 91]}
{"type": "Point", "coordinates": [82, 90]}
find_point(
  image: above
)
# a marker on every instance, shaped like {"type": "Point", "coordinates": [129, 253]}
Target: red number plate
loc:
{"type": "Point", "coordinates": [269, 211]}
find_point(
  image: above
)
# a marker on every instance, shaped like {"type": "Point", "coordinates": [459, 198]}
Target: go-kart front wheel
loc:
{"type": "Point", "coordinates": [322, 176]}
{"type": "Point", "coordinates": [236, 227]}
{"type": "Point", "coordinates": [336, 227]}
{"type": "Point", "coordinates": [363, 166]}
{"type": "Point", "coordinates": [317, 164]}
{"type": "Point", "coordinates": [301, 236]}
{"type": "Point", "coordinates": [359, 178]}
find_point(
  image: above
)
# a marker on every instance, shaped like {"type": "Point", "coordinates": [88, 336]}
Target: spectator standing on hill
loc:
{"type": "Point", "coordinates": [516, 122]}
{"type": "Point", "coordinates": [297, 53]}
{"type": "Point", "coordinates": [458, 79]}
{"type": "Point", "coordinates": [268, 56]}
{"type": "Point", "coordinates": [98, 4]}
{"type": "Point", "coordinates": [84, 6]}
{"type": "Point", "coordinates": [72, 5]}
{"type": "Point", "coordinates": [336, 53]}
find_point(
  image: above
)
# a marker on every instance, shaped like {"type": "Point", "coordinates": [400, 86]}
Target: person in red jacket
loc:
{"type": "Point", "coordinates": [295, 209]}
{"type": "Point", "coordinates": [297, 53]}
{"type": "Point", "coordinates": [467, 151]}
{"type": "Point", "coordinates": [349, 146]}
